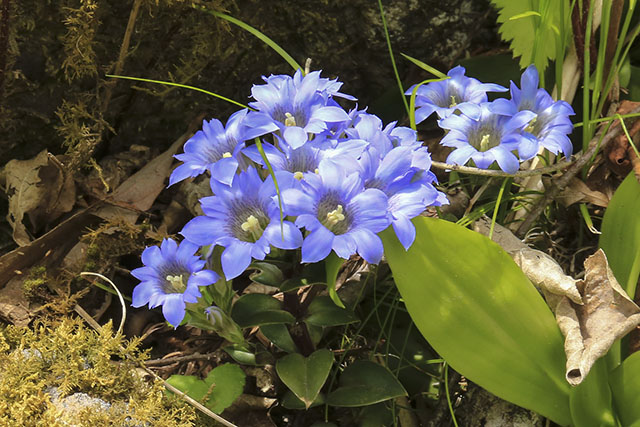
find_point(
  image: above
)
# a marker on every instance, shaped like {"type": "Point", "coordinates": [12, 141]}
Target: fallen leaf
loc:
{"type": "Point", "coordinates": [619, 154]}
{"type": "Point", "coordinates": [578, 191]}
{"type": "Point", "coordinates": [607, 315]}
{"type": "Point", "coordinates": [39, 188]}
{"type": "Point", "coordinates": [543, 271]}
{"type": "Point", "coordinates": [14, 307]}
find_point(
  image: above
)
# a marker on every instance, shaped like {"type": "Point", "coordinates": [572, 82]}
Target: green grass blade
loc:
{"type": "Point", "coordinates": [197, 89]}
{"type": "Point", "coordinates": [393, 61]}
{"type": "Point", "coordinates": [266, 40]}
{"type": "Point", "coordinates": [425, 67]}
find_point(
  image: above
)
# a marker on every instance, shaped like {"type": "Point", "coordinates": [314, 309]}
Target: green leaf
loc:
{"type": "Point", "coordinates": [259, 309]}
{"type": "Point", "coordinates": [323, 312]}
{"type": "Point", "coordinates": [625, 386]}
{"type": "Point", "coordinates": [529, 29]}
{"type": "Point", "coordinates": [305, 376]}
{"type": "Point", "coordinates": [332, 264]}
{"type": "Point", "coordinates": [267, 274]}
{"type": "Point", "coordinates": [279, 335]}
{"type": "Point", "coordinates": [290, 401]}
{"type": "Point", "coordinates": [221, 388]}
{"type": "Point", "coordinates": [365, 383]}
{"type": "Point", "coordinates": [482, 315]}
{"type": "Point", "coordinates": [591, 404]}
{"type": "Point", "coordinates": [620, 237]}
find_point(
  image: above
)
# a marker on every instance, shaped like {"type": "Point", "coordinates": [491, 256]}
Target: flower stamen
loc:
{"type": "Point", "coordinates": [485, 143]}
{"type": "Point", "coordinates": [252, 225]}
{"type": "Point", "coordinates": [226, 155]}
{"type": "Point", "coordinates": [177, 284]}
{"type": "Point", "coordinates": [453, 101]}
{"type": "Point", "coordinates": [298, 175]}
{"type": "Point", "coordinates": [335, 216]}
{"type": "Point", "coordinates": [289, 119]}
{"type": "Point", "coordinates": [531, 126]}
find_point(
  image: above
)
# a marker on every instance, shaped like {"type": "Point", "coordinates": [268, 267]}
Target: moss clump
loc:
{"type": "Point", "coordinates": [35, 286]}
{"type": "Point", "coordinates": [73, 359]}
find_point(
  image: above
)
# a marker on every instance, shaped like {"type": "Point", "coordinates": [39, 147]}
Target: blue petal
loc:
{"type": "Point", "coordinates": [203, 231]}
{"type": "Point", "coordinates": [297, 202]}
{"type": "Point", "coordinates": [203, 278]}
{"type": "Point", "coordinates": [292, 235]}
{"type": "Point", "coordinates": [152, 257]}
{"type": "Point", "coordinates": [224, 170]}
{"type": "Point", "coordinates": [369, 245]}
{"type": "Point", "coordinates": [405, 230]}
{"type": "Point", "coordinates": [331, 114]}
{"type": "Point", "coordinates": [173, 309]}
{"type": "Point", "coordinates": [235, 259]}
{"type": "Point", "coordinates": [259, 124]}
{"type": "Point", "coordinates": [461, 155]}
{"type": "Point", "coordinates": [528, 147]}
{"type": "Point", "coordinates": [344, 245]}
{"type": "Point", "coordinates": [317, 245]}
{"type": "Point", "coordinates": [506, 160]}
{"type": "Point", "coordinates": [142, 293]}
{"type": "Point", "coordinates": [295, 136]}
{"type": "Point", "coordinates": [469, 109]}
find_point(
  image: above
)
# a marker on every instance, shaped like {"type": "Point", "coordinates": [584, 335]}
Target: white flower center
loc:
{"type": "Point", "coordinates": [484, 142]}
{"type": "Point", "coordinates": [531, 127]}
{"type": "Point", "coordinates": [335, 216]}
{"type": "Point", "coordinates": [226, 155]}
{"type": "Point", "coordinates": [289, 119]}
{"type": "Point", "coordinates": [252, 225]}
{"type": "Point", "coordinates": [298, 175]}
{"type": "Point", "coordinates": [453, 102]}
{"type": "Point", "coordinates": [177, 283]}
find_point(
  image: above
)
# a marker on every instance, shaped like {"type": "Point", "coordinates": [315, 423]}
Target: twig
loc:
{"type": "Point", "coordinates": [558, 184]}
{"type": "Point", "coordinates": [497, 173]}
{"type": "Point", "coordinates": [187, 358]}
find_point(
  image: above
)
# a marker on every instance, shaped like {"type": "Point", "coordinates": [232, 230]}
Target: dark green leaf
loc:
{"type": "Point", "coordinates": [305, 376]}
{"type": "Point", "coordinates": [323, 312]}
{"type": "Point", "coordinates": [591, 404]}
{"type": "Point", "coordinates": [290, 401]}
{"type": "Point", "coordinates": [267, 274]}
{"type": "Point", "coordinates": [481, 314]}
{"type": "Point", "coordinates": [365, 383]}
{"type": "Point", "coordinates": [259, 309]}
{"type": "Point", "coordinates": [279, 335]}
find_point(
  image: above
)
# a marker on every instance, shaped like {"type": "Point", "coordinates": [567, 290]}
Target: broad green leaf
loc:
{"type": "Point", "coordinates": [528, 26]}
{"type": "Point", "coordinates": [482, 315]}
{"type": "Point", "coordinates": [620, 237]}
{"type": "Point", "coordinates": [365, 383]}
{"type": "Point", "coordinates": [259, 309]}
{"type": "Point", "coordinates": [218, 391]}
{"type": "Point", "coordinates": [625, 385]}
{"type": "Point", "coordinates": [290, 401]}
{"type": "Point", "coordinates": [279, 335]}
{"type": "Point", "coordinates": [305, 376]}
{"type": "Point", "coordinates": [323, 312]}
{"type": "Point", "coordinates": [590, 402]}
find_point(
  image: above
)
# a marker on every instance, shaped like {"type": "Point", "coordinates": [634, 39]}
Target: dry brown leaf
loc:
{"type": "Point", "coordinates": [543, 271]}
{"type": "Point", "coordinates": [578, 191]}
{"type": "Point", "coordinates": [39, 188]}
{"type": "Point", "coordinates": [14, 307]}
{"type": "Point", "coordinates": [607, 315]}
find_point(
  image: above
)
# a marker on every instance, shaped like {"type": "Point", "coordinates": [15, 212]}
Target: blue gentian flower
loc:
{"type": "Point", "coordinates": [551, 126]}
{"type": "Point", "coordinates": [339, 214]}
{"type": "Point", "coordinates": [170, 277]}
{"type": "Point", "coordinates": [245, 219]}
{"type": "Point", "coordinates": [458, 92]}
{"type": "Point", "coordinates": [491, 137]}
{"type": "Point", "coordinates": [216, 149]}
{"type": "Point", "coordinates": [298, 105]}
{"type": "Point", "coordinates": [307, 158]}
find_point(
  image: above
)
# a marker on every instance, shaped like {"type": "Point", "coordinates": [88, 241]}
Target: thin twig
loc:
{"type": "Point", "coordinates": [186, 358]}
{"type": "Point", "coordinates": [558, 184]}
{"type": "Point", "coordinates": [113, 285]}
{"type": "Point", "coordinates": [498, 173]}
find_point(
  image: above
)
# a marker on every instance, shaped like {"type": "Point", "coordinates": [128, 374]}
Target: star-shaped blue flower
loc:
{"type": "Point", "coordinates": [244, 218]}
{"type": "Point", "coordinates": [170, 277]}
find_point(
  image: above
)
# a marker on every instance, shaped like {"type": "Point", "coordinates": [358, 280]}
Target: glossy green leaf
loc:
{"type": "Point", "coordinates": [259, 309]}
{"type": "Point", "coordinates": [221, 388]}
{"type": "Point", "coordinates": [590, 402]}
{"type": "Point", "coordinates": [305, 376]}
{"type": "Point", "coordinates": [625, 386]}
{"type": "Point", "coordinates": [323, 312]}
{"type": "Point", "coordinates": [620, 237]}
{"type": "Point", "coordinates": [267, 274]}
{"type": "Point", "coordinates": [279, 335]}
{"type": "Point", "coordinates": [365, 383]}
{"type": "Point", "coordinates": [482, 315]}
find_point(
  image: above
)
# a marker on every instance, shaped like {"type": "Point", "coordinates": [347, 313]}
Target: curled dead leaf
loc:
{"type": "Point", "coordinates": [578, 191]}
{"type": "Point", "coordinates": [607, 315]}
{"type": "Point", "coordinates": [38, 188]}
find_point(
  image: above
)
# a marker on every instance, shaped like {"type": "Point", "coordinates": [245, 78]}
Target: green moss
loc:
{"type": "Point", "coordinates": [35, 286]}
{"type": "Point", "coordinates": [72, 358]}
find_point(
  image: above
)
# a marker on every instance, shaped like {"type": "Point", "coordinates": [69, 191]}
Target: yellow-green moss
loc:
{"type": "Point", "coordinates": [35, 286]}
{"type": "Point", "coordinates": [73, 358]}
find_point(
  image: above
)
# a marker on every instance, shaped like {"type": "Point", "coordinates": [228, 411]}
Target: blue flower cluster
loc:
{"type": "Point", "coordinates": [342, 177]}
{"type": "Point", "coordinates": [488, 132]}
